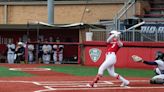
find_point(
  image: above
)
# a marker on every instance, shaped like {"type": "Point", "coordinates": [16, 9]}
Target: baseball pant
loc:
{"type": "Point", "coordinates": [109, 65]}
{"type": "Point", "coordinates": [10, 58]}
{"type": "Point", "coordinates": [46, 58]}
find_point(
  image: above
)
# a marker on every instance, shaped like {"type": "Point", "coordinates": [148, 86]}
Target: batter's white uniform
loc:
{"type": "Point", "coordinates": [30, 53]}
{"type": "Point", "coordinates": [46, 53]}
{"type": "Point", "coordinates": [113, 45]}
{"type": "Point", "coordinates": [10, 53]}
{"type": "Point", "coordinates": [110, 61]}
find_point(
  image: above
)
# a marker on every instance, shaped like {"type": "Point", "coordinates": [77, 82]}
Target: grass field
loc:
{"type": "Point", "coordinates": [5, 72]}
{"type": "Point", "coordinates": [78, 70]}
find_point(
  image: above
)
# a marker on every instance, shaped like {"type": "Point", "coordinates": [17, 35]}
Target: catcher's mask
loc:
{"type": "Point", "coordinates": [159, 55]}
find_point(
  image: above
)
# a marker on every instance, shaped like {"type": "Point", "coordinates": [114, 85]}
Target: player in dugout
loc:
{"type": "Point", "coordinates": [159, 70]}
{"type": "Point", "coordinates": [19, 51]}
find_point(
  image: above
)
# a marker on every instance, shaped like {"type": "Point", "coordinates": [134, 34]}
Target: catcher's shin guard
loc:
{"type": "Point", "coordinates": [157, 80]}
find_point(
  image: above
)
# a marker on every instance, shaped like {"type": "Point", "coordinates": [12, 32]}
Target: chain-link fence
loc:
{"type": "Point", "coordinates": [138, 35]}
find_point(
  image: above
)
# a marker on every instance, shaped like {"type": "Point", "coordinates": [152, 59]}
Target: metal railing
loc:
{"type": "Point", "coordinates": [134, 35]}
{"type": "Point", "coordinates": [128, 6]}
{"type": "Point", "coordinates": [138, 35]}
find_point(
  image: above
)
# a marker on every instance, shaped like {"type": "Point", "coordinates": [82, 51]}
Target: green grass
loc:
{"type": "Point", "coordinates": [78, 70]}
{"type": "Point", "coordinates": [5, 72]}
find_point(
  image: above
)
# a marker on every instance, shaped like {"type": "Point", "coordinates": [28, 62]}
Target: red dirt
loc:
{"type": "Point", "coordinates": [25, 84]}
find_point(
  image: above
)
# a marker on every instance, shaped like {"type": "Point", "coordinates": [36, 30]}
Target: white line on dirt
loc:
{"type": "Point", "coordinates": [48, 88]}
{"type": "Point", "coordinates": [68, 82]}
{"type": "Point", "coordinates": [108, 82]}
{"type": "Point", "coordinates": [60, 84]}
{"type": "Point", "coordinates": [79, 85]}
{"type": "Point", "coordinates": [15, 81]}
{"type": "Point", "coordinates": [108, 88]}
{"type": "Point", "coordinates": [29, 69]}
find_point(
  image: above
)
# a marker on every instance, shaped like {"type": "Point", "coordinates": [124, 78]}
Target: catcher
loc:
{"type": "Point", "coordinates": [159, 62]}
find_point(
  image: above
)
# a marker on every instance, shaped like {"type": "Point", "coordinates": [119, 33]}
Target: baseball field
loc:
{"type": "Point", "coordinates": [70, 78]}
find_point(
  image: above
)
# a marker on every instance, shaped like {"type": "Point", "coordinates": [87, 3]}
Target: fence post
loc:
{"type": "Point", "coordinates": [156, 36]}
{"type": "Point", "coordinates": [133, 35]}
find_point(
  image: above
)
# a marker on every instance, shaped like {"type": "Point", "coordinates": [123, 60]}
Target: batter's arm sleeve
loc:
{"type": "Point", "coordinates": [110, 38]}
{"type": "Point", "coordinates": [149, 63]}
{"type": "Point", "coordinates": [119, 42]}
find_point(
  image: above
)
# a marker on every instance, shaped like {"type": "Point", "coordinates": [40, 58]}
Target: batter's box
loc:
{"type": "Point", "coordinates": [74, 84]}
{"type": "Point", "coordinates": [84, 86]}
{"type": "Point", "coordinates": [70, 83]}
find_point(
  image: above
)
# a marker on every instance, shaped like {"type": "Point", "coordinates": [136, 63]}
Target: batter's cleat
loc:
{"type": "Point", "coordinates": [91, 85]}
{"type": "Point", "coordinates": [125, 84]}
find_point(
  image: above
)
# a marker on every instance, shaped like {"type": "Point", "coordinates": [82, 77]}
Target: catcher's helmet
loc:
{"type": "Point", "coordinates": [159, 55]}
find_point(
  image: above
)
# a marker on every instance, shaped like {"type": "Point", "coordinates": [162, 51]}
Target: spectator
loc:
{"type": "Point", "coordinates": [57, 39]}
{"type": "Point", "coordinates": [51, 39]}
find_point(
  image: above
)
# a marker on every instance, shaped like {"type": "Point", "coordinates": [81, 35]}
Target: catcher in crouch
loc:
{"type": "Point", "coordinates": [159, 70]}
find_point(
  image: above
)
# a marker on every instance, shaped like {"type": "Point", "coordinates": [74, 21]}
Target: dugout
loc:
{"type": "Point", "coordinates": [70, 35]}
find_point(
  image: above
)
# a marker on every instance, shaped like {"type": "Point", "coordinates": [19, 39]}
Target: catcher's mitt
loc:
{"type": "Point", "coordinates": [136, 58]}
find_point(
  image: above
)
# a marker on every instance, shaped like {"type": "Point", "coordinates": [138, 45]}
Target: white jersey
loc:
{"type": "Point", "coordinates": [160, 64]}
{"type": "Point", "coordinates": [46, 48]}
{"type": "Point", "coordinates": [55, 46]}
{"type": "Point", "coordinates": [30, 47]}
{"type": "Point", "coordinates": [10, 46]}
{"type": "Point", "coordinates": [61, 47]}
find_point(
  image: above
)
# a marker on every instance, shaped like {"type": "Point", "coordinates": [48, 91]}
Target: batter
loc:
{"type": "Point", "coordinates": [113, 45]}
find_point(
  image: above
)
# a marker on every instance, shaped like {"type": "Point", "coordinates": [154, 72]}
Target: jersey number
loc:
{"type": "Point", "coordinates": [113, 45]}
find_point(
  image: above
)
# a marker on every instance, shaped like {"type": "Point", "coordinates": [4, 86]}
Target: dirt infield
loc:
{"type": "Point", "coordinates": [48, 81]}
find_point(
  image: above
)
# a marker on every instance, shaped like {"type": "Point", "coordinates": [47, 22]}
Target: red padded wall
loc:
{"type": "Point", "coordinates": [144, 49]}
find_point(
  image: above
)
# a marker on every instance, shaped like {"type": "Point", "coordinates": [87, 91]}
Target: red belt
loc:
{"type": "Point", "coordinates": [110, 53]}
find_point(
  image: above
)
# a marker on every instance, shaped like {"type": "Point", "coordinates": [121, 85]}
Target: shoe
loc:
{"type": "Point", "coordinates": [90, 85]}
{"type": "Point", "coordinates": [125, 84]}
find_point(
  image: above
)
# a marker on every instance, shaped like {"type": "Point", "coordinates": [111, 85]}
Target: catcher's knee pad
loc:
{"type": "Point", "coordinates": [157, 81]}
